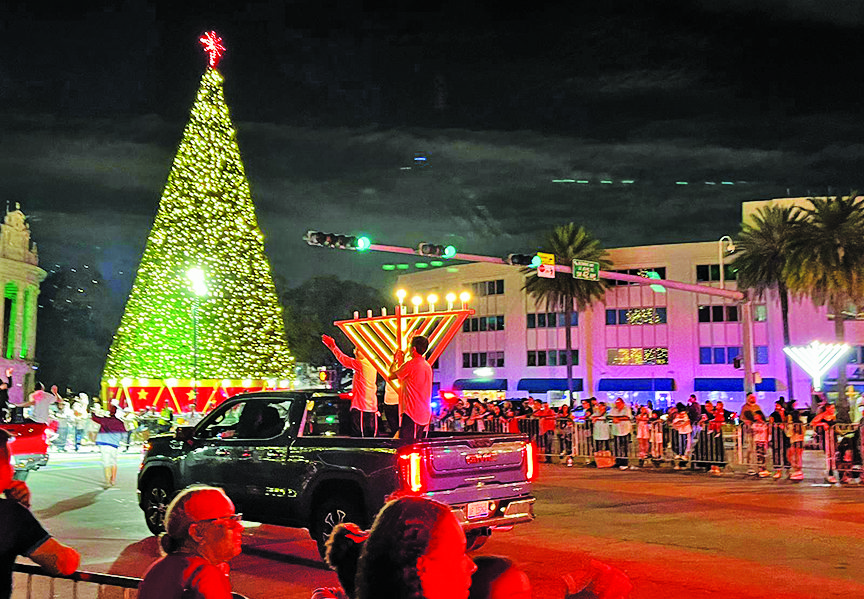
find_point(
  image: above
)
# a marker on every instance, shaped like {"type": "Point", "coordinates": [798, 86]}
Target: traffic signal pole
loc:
{"type": "Point", "coordinates": [737, 296]}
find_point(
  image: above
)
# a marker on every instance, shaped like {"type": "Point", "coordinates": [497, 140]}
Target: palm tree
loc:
{"type": "Point", "coordinates": [564, 293]}
{"type": "Point", "coordinates": [762, 260]}
{"type": "Point", "coordinates": [827, 264]}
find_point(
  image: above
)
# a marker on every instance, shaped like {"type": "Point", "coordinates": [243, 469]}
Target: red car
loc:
{"type": "Point", "coordinates": [29, 446]}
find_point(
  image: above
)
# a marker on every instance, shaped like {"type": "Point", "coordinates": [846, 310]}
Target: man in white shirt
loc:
{"type": "Point", "coordinates": [415, 375]}
{"type": "Point", "coordinates": [364, 396]}
{"type": "Point", "coordinates": [41, 402]}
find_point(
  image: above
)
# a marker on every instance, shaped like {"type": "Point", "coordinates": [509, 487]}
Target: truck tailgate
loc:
{"type": "Point", "coordinates": [457, 466]}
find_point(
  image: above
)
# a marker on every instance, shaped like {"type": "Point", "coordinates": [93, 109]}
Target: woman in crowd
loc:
{"type": "Point", "coordinates": [416, 550]}
{"type": "Point", "coordinates": [202, 534]}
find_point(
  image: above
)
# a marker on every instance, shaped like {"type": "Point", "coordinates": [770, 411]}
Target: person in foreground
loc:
{"type": "Point", "coordinates": [416, 550]}
{"type": "Point", "coordinates": [202, 534]}
{"type": "Point", "coordinates": [499, 578]}
{"type": "Point", "coordinates": [21, 532]}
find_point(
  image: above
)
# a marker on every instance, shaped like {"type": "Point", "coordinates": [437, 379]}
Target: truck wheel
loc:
{"type": "Point", "coordinates": [328, 515]}
{"type": "Point", "coordinates": [157, 494]}
{"type": "Point", "coordinates": [476, 538]}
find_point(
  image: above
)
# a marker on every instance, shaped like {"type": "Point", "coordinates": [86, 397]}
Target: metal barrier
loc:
{"type": "Point", "coordinates": [766, 448]}
{"type": "Point", "coordinates": [80, 585]}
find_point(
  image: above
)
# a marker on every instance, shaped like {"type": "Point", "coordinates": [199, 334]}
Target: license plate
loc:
{"type": "Point", "coordinates": [478, 509]}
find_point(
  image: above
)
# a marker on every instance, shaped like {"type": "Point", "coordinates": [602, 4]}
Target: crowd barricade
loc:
{"type": "Point", "coordinates": [32, 582]}
{"type": "Point", "coordinates": [776, 448]}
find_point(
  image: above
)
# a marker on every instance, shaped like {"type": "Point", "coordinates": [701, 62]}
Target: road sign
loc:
{"type": "Point", "coordinates": [547, 271]}
{"type": "Point", "coordinates": [586, 270]}
{"type": "Point", "coordinates": [546, 268]}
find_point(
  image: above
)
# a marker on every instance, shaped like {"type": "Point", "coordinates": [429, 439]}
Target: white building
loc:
{"type": "Point", "coordinates": [20, 277]}
{"type": "Point", "coordinates": [639, 344]}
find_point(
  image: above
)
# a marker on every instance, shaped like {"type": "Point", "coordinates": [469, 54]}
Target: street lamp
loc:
{"type": "Point", "coordinates": [197, 280]}
{"type": "Point", "coordinates": [721, 256]}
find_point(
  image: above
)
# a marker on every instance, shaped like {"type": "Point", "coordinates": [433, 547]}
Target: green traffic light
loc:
{"type": "Point", "coordinates": [449, 251]}
{"type": "Point", "coordinates": [535, 261]}
{"type": "Point", "coordinates": [363, 243]}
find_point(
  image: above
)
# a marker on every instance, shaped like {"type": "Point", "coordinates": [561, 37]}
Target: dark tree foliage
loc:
{"type": "Point", "coordinates": [312, 307]}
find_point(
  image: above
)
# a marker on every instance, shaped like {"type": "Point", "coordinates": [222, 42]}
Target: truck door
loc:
{"type": "Point", "coordinates": [209, 461]}
{"type": "Point", "coordinates": [259, 451]}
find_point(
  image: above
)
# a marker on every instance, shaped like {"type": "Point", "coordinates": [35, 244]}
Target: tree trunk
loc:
{"type": "Point", "coordinates": [842, 404]}
{"type": "Point", "coordinates": [783, 292]}
{"type": "Point", "coordinates": [568, 312]}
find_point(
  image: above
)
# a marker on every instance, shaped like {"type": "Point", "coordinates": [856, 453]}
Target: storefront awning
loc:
{"type": "Point", "coordinates": [480, 384]}
{"type": "Point", "coordinates": [636, 385]}
{"type": "Point", "coordinates": [544, 385]}
{"type": "Point", "coordinates": [731, 385]}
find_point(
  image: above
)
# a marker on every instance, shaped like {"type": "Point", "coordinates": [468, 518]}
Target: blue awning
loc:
{"type": "Point", "coordinates": [480, 384]}
{"type": "Point", "coordinates": [636, 385]}
{"type": "Point", "coordinates": [544, 385]}
{"type": "Point", "coordinates": [730, 385]}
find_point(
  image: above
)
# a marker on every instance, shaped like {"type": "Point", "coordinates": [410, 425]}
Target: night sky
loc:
{"type": "Point", "coordinates": [334, 100]}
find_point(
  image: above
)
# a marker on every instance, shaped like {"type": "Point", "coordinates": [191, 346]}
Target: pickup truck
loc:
{"type": "Point", "coordinates": [29, 446]}
{"type": "Point", "coordinates": [285, 458]}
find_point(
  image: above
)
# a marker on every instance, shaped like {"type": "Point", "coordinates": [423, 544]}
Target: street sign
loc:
{"type": "Point", "coordinates": [547, 271]}
{"type": "Point", "coordinates": [586, 270]}
{"type": "Point", "coordinates": [546, 268]}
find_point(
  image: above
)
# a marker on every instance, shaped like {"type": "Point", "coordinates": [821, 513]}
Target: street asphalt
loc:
{"type": "Point", "coordinates": [684, 533]}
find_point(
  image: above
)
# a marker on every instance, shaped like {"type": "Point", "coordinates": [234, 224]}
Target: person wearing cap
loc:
{"type": "Point", "coordinates": [202, 532]}
{"type": "Point", "coordinates": [22, 532]}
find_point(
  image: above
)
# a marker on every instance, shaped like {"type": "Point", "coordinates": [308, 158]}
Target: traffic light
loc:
{"type": "Point", "coordinates": [436, 251]}
{"type": "Point", "coordinates": [532, 260]}
{"type": "Point", "coordinates": [336, 241]}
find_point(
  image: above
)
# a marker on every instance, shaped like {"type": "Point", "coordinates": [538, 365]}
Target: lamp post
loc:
{"type": "Point", "coordinates": [721, 257]}
{"type": "Point", "coordinates": [198, 284]}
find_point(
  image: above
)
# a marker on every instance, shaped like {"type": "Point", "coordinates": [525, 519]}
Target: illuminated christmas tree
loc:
{"type": "Point", "coordinates": [203, 307]}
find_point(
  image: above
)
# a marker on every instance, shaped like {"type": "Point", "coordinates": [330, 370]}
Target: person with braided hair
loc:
{"type": "Point", "coordinates": [343, 552]}
{"type": "Point", "coordinates": [416, 549]}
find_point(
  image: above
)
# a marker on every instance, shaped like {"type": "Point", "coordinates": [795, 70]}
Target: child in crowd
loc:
{"type": "Point", "coordinates": [683, 429]}
{"type": "Point", "coordinates": [656, 425]}
{"type": "Point", "coordinates": [760, 439]}
{"type": "Point", "coordinates": [643, 434]}
{"type": "Point", "coordinates": [795, 433]}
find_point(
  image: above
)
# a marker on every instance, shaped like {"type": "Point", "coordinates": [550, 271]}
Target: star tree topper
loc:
{"type": "Point", "coordinates": [213, 46]}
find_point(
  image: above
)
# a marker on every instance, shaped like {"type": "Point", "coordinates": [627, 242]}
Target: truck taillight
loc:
{"type": "Point", "coordinates": [530, 466]}
{"type": "Point", "coordinates": [411, 471]}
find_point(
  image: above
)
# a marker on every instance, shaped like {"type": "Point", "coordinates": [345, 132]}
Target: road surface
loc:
{"type": "Point", "coordinates": [686, 533]}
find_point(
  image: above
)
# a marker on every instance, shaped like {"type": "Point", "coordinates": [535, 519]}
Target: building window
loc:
{"type": "Point", "coordinates": [542, 358]}
{"type": "Point", "coordinates": [639, 272]}
{"type": "Point", "coordinates": [636, 316]}
{"type": "Point", "coordinates": [494, 359]}
{"type": "Point", "coordinates": [484, 323]}
{"type": "Point", "coordinates": [760, 313]}
{"type": "Point", "coordinates": [718, 313]}
{"type": "Point", "coordinates": [711, 272]}
{"type": "Point", "coordinates": [532, 321]}
{"type": "Point", "coordinates": [637, 356]}
{"type": "Point", "coordinates": [718, 355]}
{"type": "Point", "coordinates": [541, 321]}
{"type": "Point", "coordinates": [761, 354]}
{"type": "Point", "coordinates": [562, 356]}
{"type": "Point", "coordinates": [484, 288]}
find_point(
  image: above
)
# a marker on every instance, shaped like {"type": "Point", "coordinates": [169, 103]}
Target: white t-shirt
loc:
{"type": "Point", "coordinates": [364, 392]}
{"type": "Point", "coordinates": [40, 410]}
{"type": "Point", "coordinates": [391, 396]}
{"type": "Point", "coordinates": [416, 378]}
